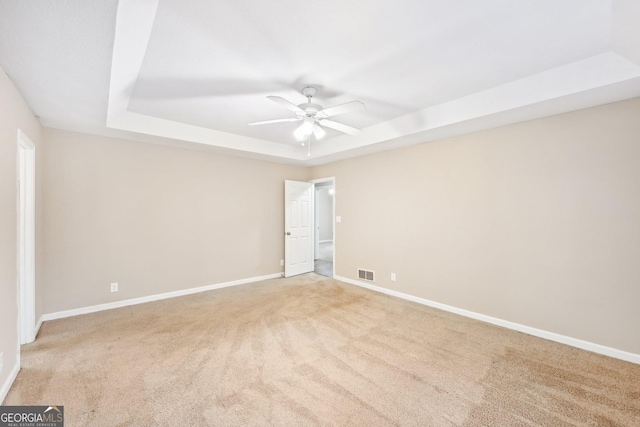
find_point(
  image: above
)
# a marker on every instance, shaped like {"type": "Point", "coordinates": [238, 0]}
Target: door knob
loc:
{"type": "Point", "coordinates": [288, 233]}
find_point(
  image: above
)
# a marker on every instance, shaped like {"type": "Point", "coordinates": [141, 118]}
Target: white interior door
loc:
{"type": "Point", "coordinates": [298, 228]}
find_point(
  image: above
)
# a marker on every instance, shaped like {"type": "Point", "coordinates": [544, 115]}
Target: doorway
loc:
{"type": "Point", "coordinates": [26, 237]}
{"type": "Point", "coordinates": [324, 206]}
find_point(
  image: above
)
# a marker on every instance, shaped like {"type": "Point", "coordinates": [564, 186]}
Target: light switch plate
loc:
{"type": "Point", "coordinates": [338, 218]}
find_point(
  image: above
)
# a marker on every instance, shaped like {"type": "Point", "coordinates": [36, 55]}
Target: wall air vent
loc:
{"type": "Point", "coordinates": [366, 275]}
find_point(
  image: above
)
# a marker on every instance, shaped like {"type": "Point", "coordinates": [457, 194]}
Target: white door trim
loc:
{"type": "Point", "coordinates": [26, 238]}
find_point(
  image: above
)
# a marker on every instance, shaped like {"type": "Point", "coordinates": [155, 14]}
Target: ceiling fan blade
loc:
{"type": "Point", "coordinates": [339, 126]}
{"type": "Point", "coordinates": [286, 104]}
{"type": "Point", "coordinates": [266, 122]}
{"type": "Point", "coordinates": [341, 109]}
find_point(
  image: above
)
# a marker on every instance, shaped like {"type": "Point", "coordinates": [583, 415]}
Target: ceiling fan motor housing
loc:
{"type": "Point", "coordinates": [310, 108]}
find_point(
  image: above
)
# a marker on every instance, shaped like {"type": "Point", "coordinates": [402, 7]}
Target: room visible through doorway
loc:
{"type": "Point", "coordinates": [324, 227]}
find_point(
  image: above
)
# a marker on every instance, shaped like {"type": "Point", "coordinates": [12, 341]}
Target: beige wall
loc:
{"type": "Point", "coordinates": [155, 219]}
{"type": "Point", "coordinates": [536, 223]}
{"type": "Point", "coordinates": [14, 115]}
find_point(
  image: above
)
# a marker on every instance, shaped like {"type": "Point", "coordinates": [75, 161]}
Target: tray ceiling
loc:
{"type": "Point", "coordinates": [194, 73]}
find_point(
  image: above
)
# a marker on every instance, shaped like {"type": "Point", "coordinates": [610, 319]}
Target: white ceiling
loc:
{"type": "Point", "coordinates": [194, 72]}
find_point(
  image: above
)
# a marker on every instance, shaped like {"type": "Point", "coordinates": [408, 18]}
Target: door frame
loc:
{"type": "Point", "coordinates": [26, 161]}
{"type": "Point", "coordinates": [331, 179]}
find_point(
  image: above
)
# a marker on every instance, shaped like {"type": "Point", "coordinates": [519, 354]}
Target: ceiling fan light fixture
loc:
{"type": "Point", "coordinates": [307, 126]}
{"type": "Point", "coordinates": [300, 134]}
{"type": "Point", "coordinates": [318, 132]}
{"type": "Point", "coordinates": [305, 129]}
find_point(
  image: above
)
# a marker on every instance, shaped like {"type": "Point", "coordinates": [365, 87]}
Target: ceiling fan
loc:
{"type": "Point", "coordinates": [313, 116]}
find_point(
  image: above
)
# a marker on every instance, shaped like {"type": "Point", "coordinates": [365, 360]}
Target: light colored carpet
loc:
{"type": "Point", "coordinates": [312, 351]}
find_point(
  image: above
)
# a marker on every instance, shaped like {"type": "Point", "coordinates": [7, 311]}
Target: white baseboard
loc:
{"type": "Point", "coordinates": [38, 325]}
{"type": "Point", "coordinates": [142, 300]}
{"type": "Point", "coordinates": [552, 336]}
{"type": "Point", "coordinates": [6, 386]}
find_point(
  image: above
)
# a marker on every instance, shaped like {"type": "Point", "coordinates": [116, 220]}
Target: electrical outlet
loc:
{"type": "Point", "coordinates": [114, 287]}
{"type": "Point", "coordinates": [281, 262]}
{"type": "Point", "coordinates": [338, 218]}
{"type": "Point", "coordinates": [393, 277]}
